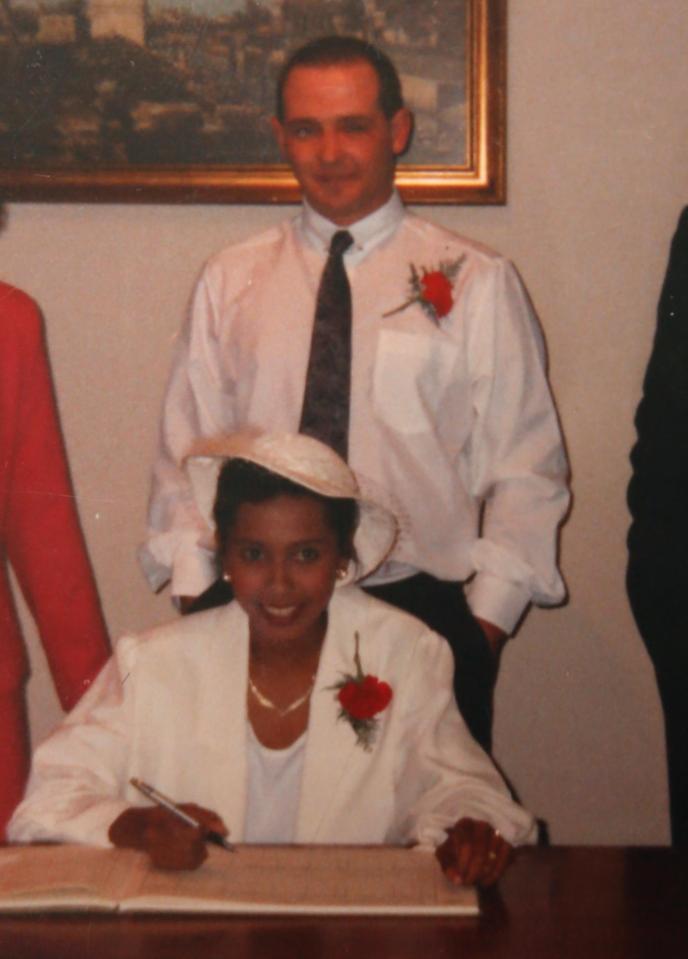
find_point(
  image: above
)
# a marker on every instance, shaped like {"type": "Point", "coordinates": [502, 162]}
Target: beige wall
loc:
{"type": "Point", "coordinates": [597, 177]}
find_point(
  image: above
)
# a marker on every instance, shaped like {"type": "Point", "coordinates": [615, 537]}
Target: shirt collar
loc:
{"type": "Point", "coordinates": [368, 233]}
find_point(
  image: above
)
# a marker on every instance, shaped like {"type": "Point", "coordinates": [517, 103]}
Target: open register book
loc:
{"type": "Point", "coordinates": [326, 880]}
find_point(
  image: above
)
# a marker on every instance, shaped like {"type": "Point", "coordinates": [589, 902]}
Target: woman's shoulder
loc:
{"type": "Point", "coordinates": [197, 632]}
{"type": "Point", "coordinates": [12, 299]}
{"type": "Point", "coordinates": [20, 318]}
{"type": "Point", "coordinates": [392, 644]}
{"type": "Point", "coordinates": [354, 609]}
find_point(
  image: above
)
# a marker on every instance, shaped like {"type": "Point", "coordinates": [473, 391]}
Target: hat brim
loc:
{"type": "Point", "coordinates": [307, 463]}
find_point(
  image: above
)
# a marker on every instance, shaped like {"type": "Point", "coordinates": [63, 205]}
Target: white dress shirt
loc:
{"type": "Point", "coordinates": [453, 418]}
{"type": "Point", "coordinates": [170, 708]}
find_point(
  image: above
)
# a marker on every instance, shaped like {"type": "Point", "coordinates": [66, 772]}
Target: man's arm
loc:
{"type": "Point", "coordinates": [517, 464]}
{"type": "Point", "coordinates": [195, 405]}
{"type": "Point", "coordinates": [657, 576]}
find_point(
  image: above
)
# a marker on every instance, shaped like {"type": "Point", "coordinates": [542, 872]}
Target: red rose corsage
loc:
{"type": "Point", "coordinates": [432, 289]}
{"type": "Point", "coordinates": [361, 697]}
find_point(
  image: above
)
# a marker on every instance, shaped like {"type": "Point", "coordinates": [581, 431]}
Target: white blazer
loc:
{"type": "Point", "coordinates": [170, 708]}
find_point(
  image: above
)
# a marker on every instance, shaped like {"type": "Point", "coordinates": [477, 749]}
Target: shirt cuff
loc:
{"type": "Point", "coordinates": [497, 600]}
{"type": "Point", "coordinates": [155, 572]}
{"type": "Point", "coordinates": [193, 573]}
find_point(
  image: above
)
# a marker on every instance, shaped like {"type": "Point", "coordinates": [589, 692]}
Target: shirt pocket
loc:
{"type": "Point", "coordinates": [411, 374]}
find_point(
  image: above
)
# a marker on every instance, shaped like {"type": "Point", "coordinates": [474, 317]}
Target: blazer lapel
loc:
{"type": "Point", "coordinates": [331, 748]}
{"type": "Point", "coordinates": [222, 724]}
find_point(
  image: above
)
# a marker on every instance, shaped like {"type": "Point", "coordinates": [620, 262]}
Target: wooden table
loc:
{"type": "Point", "coordinates": [577, 902]}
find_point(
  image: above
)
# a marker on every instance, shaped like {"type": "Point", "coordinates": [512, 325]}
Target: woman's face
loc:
{"type": "Point", "coordinates": [283, 556]}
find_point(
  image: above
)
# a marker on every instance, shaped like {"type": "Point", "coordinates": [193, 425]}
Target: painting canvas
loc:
{"type": "Point", "coordinates": [172, 99]}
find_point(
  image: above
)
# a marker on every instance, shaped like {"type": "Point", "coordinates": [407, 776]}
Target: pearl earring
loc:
{"type": "Point", "coordinates": [226, 577]}
{"type": "Point", "coordinates": [341, 573]}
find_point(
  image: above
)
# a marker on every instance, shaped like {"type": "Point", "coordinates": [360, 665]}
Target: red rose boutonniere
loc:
{"type": "Point", "coordinates": [361, 698]}
{"type": "Point", "coordinates": [432, 289]}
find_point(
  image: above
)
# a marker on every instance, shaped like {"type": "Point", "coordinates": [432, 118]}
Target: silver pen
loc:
{"type": "Point", "coordinates": [209, 835]}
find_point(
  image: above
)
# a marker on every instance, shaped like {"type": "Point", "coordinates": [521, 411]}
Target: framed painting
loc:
{"type": "Point", "coordinates": [170, 100]}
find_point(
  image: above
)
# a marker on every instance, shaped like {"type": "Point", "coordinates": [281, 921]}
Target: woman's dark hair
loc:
{"type": "Point", "coordinates": [335, 49]}
{"type": "Point", "coordinates": [241, 481]}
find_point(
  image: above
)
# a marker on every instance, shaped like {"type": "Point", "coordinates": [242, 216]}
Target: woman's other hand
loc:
{"type": "Point", "coordinates": [474, 853]}
{"type": "Point", "coordinates": [170, 843]}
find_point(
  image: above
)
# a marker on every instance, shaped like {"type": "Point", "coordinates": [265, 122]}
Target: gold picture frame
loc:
{"type": "Point", "coordinates": [476, 177]}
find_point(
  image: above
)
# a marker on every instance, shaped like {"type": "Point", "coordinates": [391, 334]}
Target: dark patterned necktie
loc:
{"type": "Point", "coordinates": [325, 411]}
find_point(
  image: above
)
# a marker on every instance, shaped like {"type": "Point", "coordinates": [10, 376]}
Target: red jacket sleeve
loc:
{"type": "Point", "coordinates": [41, 532]}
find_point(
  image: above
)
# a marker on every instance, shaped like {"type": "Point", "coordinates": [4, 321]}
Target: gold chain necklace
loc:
{"type": "Point", "coordinates": [281, 711]}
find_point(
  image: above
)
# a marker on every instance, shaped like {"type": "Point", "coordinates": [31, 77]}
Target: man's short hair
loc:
{"type": "Point", "coordinates": [326, 51]}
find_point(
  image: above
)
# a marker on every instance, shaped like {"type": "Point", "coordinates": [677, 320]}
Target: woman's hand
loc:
{"type": "Point", "coordinates": [170, 843]}
{"type": "Point", "coordinates": [474, 854]}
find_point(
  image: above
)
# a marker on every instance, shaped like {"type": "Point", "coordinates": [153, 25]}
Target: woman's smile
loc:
{"type": "Point", "coordinates": [280, 612]}
{"type": "Point", "coordinates": [280, 615]}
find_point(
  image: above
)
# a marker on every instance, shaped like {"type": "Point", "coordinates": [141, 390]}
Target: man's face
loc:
{"type": "Point", "coordinates": [340, 145]}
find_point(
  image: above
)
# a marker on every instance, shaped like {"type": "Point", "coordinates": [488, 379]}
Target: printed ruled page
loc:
{"type": "Point", "coordinates": [58, 877]}
{"type": "Point", "coordinates": [309, 880]}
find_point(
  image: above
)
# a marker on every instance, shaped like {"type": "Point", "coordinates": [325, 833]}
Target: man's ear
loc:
{"type": "Point", "coordinates": [278, 131]}
{"type": "Point", "coordinates": [401, 125]}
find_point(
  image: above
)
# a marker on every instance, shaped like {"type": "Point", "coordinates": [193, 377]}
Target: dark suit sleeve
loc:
{"type": "Point", "coordinates": [657, 576]}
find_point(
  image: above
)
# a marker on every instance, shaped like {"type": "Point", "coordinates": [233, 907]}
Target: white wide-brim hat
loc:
{"type": "Point", "coordinates": [306, 462]}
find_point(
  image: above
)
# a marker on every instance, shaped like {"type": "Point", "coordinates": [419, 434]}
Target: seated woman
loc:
{"type": "Point", "coordinates": [304, 711]}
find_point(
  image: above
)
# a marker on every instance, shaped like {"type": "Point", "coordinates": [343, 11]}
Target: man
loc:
{"type": "Point", "coordinates": [657, 577]}
{"type": "Point", "coordinates": [41, 538]}
{"type": "Point", "coordinates": [449, 406]}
